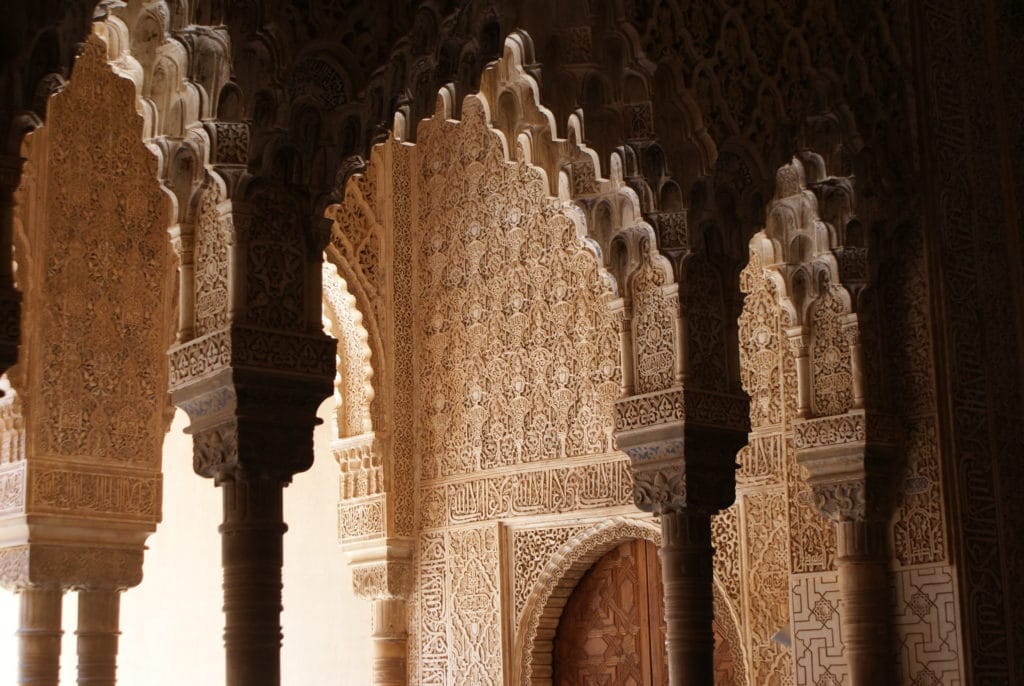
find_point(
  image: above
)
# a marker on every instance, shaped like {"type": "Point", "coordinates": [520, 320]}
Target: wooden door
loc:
{"type": "Point", "coordinates": [612, 630]}
{"type": "Point", "coordinates": [612, 623]}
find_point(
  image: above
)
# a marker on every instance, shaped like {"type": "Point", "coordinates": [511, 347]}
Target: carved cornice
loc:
{"type": "Point", "coordinates": [58, 489]}
{"type": "Point", "coordinates": [46, 487]}
{"type": "Point", "coordinates": [846, 429]}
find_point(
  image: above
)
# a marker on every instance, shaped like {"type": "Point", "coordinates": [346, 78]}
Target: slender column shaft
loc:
{"type": "Point", "coordinates": [864, 588]}
{"type": "Point", "coordinates": [251, 545]}
{"type": "Point", "coordinates": [686, 561]}
{"type": "Point", "coordinates": [389, 642]}
{"type": "Point", "coordinates": [98, 623]}
{"type": "Point", "coordinates": [39, 637]}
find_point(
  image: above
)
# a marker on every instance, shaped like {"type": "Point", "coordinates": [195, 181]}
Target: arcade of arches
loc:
{"type": "Point", "coordinates": [738, 282]}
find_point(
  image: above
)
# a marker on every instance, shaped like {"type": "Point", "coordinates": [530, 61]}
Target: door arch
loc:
{"type": "Point", "coordinates": [612, 630]}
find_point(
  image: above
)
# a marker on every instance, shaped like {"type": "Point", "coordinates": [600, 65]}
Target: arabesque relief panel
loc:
{"type": "Point", "coordinates": [86, 407]}
{"type": "Point", "coordinates": [96, 268]}
{"type": "Point", "coordinates": [517, 352]}
{"type": "Point", "coordinates": [517, 364]}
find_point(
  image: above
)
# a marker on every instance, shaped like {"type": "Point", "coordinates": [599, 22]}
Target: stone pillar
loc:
{"type": "Point", "coordinates": [252, 537]}
{"type": "Point", "coordinates": [863, 559]}
{"type": "Point", "coordinates": [389, 639]}
{"type": "Point", "coordinates": [852, 461]}
{"type": "Point", "coordinates": [250, 368]}
{"type": "Point", "coordinates": [253, 430]}
{"type": "Point", "coordinates": [39, 636]}
{"type": "Point", "coordinates": [98, 622]}
{"type": "Point", "coordinates": [687, 574]}
{"type": "Point", "coordinates": [682, 446]}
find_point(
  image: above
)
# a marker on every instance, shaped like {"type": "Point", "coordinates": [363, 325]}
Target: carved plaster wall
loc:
{"type": "Point", "coordinates": [514, 349]}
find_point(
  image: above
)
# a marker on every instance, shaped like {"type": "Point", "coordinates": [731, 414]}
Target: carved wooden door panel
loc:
{"type": "Point", "coordinates": [604, 637]}
{"type": "Point", "coordinates": [612, 630]}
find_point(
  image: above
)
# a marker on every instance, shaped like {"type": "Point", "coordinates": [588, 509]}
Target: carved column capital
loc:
{"type": "Point", "coordinates": [381, 569]}
{"type": "Point", "coordinates": [38, 565]}
{"type": "Point", "coordinates": [682, 446]}
{"type": "Point", "coordinates": [252, 397]}
{"type": "Point", "coordinates": [851, 461]}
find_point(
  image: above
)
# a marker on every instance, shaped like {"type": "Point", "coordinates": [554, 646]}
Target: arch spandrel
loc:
{"type": "Point", "coordinates": [487, 296]}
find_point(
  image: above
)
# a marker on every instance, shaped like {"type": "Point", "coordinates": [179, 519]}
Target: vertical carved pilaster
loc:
{"type": "Point", "coordinates": [251, 378]}
{"type": "Point", "coordinates": [98, 632]}
{"type": "Point", "coordinates": [39, 635]}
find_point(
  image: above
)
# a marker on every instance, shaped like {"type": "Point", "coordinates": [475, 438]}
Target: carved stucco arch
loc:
{"type": "Point", "coordinates": [612, 209]}
{"type": "Point", "coordinates": [140, 47]}
{"type": "Point", "coordinates": [352, 297]}
{"type": "Point", "coordinates": [607, 212]}
{"type": "Point", "coordinates": [354, 387]}
{"type": "Point", "coordinates": [535, 632]}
